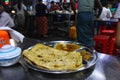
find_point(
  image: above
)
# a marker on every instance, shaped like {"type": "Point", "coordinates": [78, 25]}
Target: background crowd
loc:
{"type": "Point", "coordinates": [84, 16]}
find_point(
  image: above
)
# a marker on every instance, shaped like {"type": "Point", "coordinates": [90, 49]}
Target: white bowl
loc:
{"type": "Point", "coordinates": [9, 55]}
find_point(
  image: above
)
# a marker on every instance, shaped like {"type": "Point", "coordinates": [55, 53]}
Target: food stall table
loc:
{"type": "Point", "coordinates": [106, 68]}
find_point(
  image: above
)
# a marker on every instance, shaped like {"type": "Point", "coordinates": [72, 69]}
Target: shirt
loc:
{"type": "Point", "coordinates": [117, 13]}
{"type": "Point", "coordinates": [21, 11]}
{"type": "Point", "coordinates": [85, 5]}
{"type": "Point", "coordinates": [6, 20]}
{"type": "Point", "coordinates": [106, 14]}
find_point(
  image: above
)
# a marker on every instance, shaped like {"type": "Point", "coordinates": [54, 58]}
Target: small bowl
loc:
{"type": "Point", "coordinates": [9, 55]}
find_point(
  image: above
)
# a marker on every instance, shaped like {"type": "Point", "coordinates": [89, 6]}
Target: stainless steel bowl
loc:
{"type": "Point", "coordinates": [87, 64]}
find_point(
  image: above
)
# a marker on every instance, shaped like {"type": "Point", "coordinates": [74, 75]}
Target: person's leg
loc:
{"type": "Point", "coordinates": [44, 26]}
{"type": "Point", "coordinates": [38, 26]}
{"type": "Point", "coordinates": [85, 28]}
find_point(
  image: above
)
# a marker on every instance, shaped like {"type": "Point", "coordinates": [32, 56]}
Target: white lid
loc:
{"type": "Point", "coordinates": [8, 51]}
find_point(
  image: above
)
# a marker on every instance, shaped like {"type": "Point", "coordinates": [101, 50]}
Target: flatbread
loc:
{"type": "Point", "coordinates": [53, 59]}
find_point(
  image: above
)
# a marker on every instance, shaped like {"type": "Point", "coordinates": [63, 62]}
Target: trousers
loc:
{"type": "Point", "coordinates": [85, 28]}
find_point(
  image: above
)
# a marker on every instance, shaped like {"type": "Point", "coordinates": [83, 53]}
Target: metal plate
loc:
{"type": "Point", "coordinates": [87, 64]}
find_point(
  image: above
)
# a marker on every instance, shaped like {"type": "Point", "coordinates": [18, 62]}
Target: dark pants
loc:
{"type": "Point", "coordinates": [85, 28]}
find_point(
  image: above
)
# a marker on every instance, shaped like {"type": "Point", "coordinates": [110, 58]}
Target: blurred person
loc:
{"type": "Point", "coordinates": [5, 18]}
{"type": "Point", "coordinates": [117, 37]}
{"type": "Point", "coordinates": [41, 19]}
{"type": "Point", "coordinates": [48, 5]}
{"type": "Point", "coordinates": [76, 5]}
{"type": "Point", "coordinates": [117, 12]}
{"type": "Point", "coordinates": [60, 4]}
{"type": "Point", "coordinates": [85, 20]}
{"type": "Point", "coordinates": [106, 14]}
{"type": "Point", "coordinates": [6, 7]}
{"type": "Point", "coordinates": [117, 15]}
{"type": "Point", "coordinates": [20, 14]}
{"type": "Point", "coordinates": [54, 6]}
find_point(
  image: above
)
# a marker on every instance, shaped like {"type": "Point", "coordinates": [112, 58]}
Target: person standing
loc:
{"type": "Point", "coordinates": [41, 19]}
{"type": "Point", "coordinates": [54, 6]}
{"type": "Point", "coordinates": [5, 18]}
{"type": "Point", "coordinates": [117, 36]}
{"type": "Point", "coordinates": [85, 20]}
{"type": "Point", "coordinates": [20, 15]}
{"type": "Point", "coordinates": [106, 14]}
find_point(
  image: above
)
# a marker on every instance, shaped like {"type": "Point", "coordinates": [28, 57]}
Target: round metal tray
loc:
{"type": "Point", "coordinates": [87, 63]}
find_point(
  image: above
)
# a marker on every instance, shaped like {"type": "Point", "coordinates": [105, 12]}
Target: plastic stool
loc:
{"type": "Point", "coordinates": [102, 28]}
{"type": "Point", "coordinates": [112, 49]}
{"type": "Point", "coordinates": [101, 43]}
{"type": "Point", "coordinates": [4, 38]}
{"type": "Point", "coordinates": [110, 33]}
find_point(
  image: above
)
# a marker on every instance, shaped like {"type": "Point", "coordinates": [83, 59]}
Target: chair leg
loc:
{"type": "Point", "coordinates": [112, 46]}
